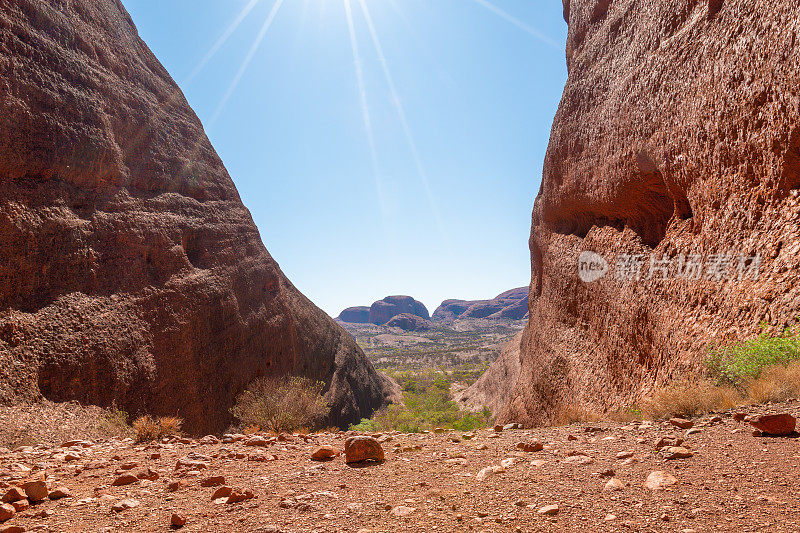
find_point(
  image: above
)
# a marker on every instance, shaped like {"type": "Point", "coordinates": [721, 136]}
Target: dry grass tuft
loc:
{"type": "Point", "coordinates": [170, 425]}
{"type": "Point", "coordinates": [148, 429]}
{"type": "Point", "coordinates": [775, 384]}
{"type": "Point", "coordinates": [690, 400]}
{"type": "Point", "coordinates": [574, 413]}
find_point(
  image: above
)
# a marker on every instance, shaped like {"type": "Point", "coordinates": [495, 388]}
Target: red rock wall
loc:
{"type": "Point", "coordinates": [678, 133]}
{"type": "Point", "coordinates": [131, 271]}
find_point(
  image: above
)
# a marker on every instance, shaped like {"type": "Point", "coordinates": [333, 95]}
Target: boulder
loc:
{"type": "Point", "coordinates": [359, 449]}
{"type": "Point", "coordinates": [132, 273]}
{"type": "Point", "coordinates": [324, 453]}
{"type": "Point", "coordinates": [777, 424]}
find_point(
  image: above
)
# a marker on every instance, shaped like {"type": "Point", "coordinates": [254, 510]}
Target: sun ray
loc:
{"type": "Point", "coordinates": [518, 23]}
{"type": "Point", "coordinates": [246, 63]}
{"type": "Point", "coordinates": [398, 105]}
{"type": "Point", "coordinates": [362, 93]}
{"type": "Point", "coordinates": [223, 39]}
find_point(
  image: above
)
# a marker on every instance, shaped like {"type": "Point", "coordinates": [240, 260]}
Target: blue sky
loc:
{"type": "Point", "coordinates": [459, 97]}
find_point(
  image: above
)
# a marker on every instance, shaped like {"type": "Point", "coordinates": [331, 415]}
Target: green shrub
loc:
{"type": "Point", "coordinates": [282, 404]}
{"type": "Point", "coordinates": [738, 363]}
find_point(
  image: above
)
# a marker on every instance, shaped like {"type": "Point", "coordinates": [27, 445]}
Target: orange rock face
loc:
{"type": "Point", "coordinates": [131, 271]}
{"type": "Point", "coordinates": [678, 134]}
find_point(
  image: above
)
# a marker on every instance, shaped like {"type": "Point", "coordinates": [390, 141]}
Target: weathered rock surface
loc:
{"type": "Point", "coordinates": [355, 315]}
{"type": "Point", "coordinates": [408, 322]}
{"type": "Point", "coordinates": [131, 271]}
{"type": "Point", "coordinates": [678, 134]}
{"type": "Point", "coordinates": [511, 304]}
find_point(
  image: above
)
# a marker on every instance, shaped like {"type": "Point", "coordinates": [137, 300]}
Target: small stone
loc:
{"type": "Point", "coordinates": [482, 447]}
{"type": "Point", "coordinates": [610, 517]}
{"type": "Point", "coordinates": [659, 480]}
{"type": "Point", "coordinates": [716, 420]}
{"type": "Point", "coordinates": [549, 510]}
{"type": "Point", "coordinates": [498, 428]}
{"type": "Point", "coordinates": [59, 493]}
{"type": "Point", "coordinates": [222, 492]}
{"type": "Point", "coordinates": [402, 510]}
{"type": "Point", "coordinates": [739, 417]}
{"type": "Point", "coordinates": [12, 529]}
{"type": "Point", "coordinates": [360, 449]}
{"type": "Point", "coordinates": [324, 453]}
{"type": "Point", "coordinates": [36, 490]}
{"type": "Point", "coordinates": [613, 485]}
{"type": "Point", "coordinates": [213, 481]}
{"type": "Point", "coordinates": [20, 505]}
{"type": "Point", "coordinates": [174, 486]}
{"type": "Point", "coordinates": [177, 520]}
{"type": "Point", "coordinates": [239, 495]}
{"type": "Point", "coordinates": [148, 474]}
{"type": "Point", "coordinates": [572, 437]}
{"type": "Point", "coordinates": [14, 494]}
{"type": "Point", "coordinates": [777, 425]}
{"type": "Point", "coordinates": [124, 479]}
{"type": "Point", "coordinates": [676, 452]}
{"type": "Point", "coordinates": [6, 512]}
{"type": "Point", "coordinates": [257, 440]}
{"type": "Point", "coordinates": [668, 440]}
{"type": "Point", "coordinates": [531, 446]}
{"type": "Point", "coordinates": [124, 505]}
{"type": "Point", "coordinates": [624, 455]}
{"type": "Point", "coordinates": [488, 471]}
{"type": "Point", "coordinates": [681, 423]}
{"type": "Point", "coordinates": [578, 459]}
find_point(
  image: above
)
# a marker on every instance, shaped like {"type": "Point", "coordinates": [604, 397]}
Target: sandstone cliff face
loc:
{"type": "Point", "coordinates": [384, 310]}
{"type": "Point", "coordinates": [678, 133]}
{"type": "Point", "coordinates": [131, 271]}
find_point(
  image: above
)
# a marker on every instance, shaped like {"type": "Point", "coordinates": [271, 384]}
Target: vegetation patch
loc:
{"type": "Point", "coordinates": [427, 403]}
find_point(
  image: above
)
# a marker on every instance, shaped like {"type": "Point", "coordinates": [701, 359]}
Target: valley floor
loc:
{"type": "Point", "coordinates": [429, 482]}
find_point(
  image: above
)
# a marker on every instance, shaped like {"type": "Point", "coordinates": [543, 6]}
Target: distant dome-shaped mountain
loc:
{"type": "Point", "coordinates": [511, 304]}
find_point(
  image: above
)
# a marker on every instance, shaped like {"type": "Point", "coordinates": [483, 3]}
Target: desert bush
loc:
{"type": "Point", "coordinates": [282, 404]}
{"type": "Point", "coordinates": [744, 361]}
{"type": "Point", "coordinates": [148, 429]}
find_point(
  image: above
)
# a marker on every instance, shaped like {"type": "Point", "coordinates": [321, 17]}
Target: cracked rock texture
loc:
{"type": "Point", "coordinates": [131, 272]}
